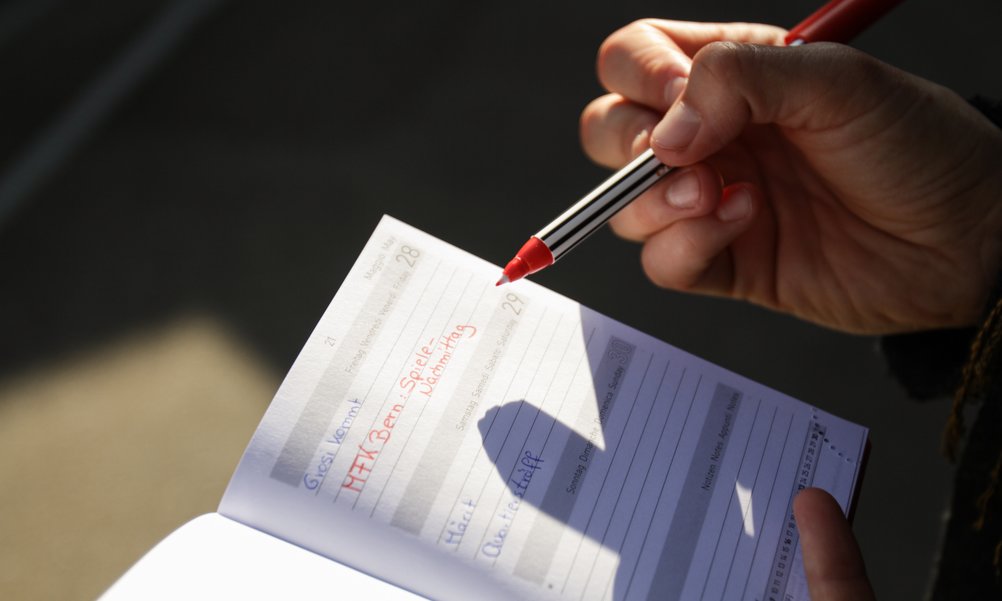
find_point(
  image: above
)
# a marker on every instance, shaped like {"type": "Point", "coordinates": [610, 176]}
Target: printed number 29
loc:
{"type": "Point", "coordinates": [408, 255]}
{"type": "Point", "coordinates": [513, 303]}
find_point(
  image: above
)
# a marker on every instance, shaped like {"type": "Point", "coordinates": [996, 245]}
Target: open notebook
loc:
{"type": "Point", "coordinates": [443, 437]}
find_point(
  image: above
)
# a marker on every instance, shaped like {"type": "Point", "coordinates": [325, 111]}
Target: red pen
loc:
{"type": "Point", "coordinates": [837, 21]}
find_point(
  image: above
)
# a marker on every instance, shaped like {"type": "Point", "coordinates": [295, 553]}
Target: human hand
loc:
{"type": "Point", "coordinates": [832, 562]}
{"type": "Point", "coordinates": [816, 181]}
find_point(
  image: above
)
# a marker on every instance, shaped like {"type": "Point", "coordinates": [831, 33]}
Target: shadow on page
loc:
{"type": "Point", "coordinates": [671, 484]}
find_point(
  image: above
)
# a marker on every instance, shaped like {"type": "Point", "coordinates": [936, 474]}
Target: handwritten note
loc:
{"type": "Point", "coordinates": [442, 433]}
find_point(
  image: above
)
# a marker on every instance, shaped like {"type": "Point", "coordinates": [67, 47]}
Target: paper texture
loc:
{"type": "Point", "coordinates": [461, 439]}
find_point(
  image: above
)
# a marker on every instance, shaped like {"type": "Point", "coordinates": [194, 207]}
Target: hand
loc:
{"type": "Point", "coordinates": [816, 181]}
{"type": "Point", "coordinates": [832, 562]}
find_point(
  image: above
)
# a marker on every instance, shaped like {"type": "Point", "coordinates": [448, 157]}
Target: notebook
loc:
{"type": "Point", "coordinates": [442, 437]}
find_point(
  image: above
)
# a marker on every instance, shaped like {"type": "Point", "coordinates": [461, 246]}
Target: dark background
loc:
{"type": "Point", "coordinates": [159, 157]}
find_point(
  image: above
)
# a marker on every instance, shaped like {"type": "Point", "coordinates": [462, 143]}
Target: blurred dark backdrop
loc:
{"type": "Point", "coordinates": [230, 158]}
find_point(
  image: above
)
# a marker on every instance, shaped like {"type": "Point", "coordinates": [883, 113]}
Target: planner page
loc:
{"type": "Point", "coordinates": [212, 558]}
{"type": "Point", "coordinates": [464, 440]}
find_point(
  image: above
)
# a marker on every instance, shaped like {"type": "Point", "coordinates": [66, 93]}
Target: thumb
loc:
{"type": "Point", "coordinates": [832, 561]}
{"type": "Point", "coordinates": [733, 85]}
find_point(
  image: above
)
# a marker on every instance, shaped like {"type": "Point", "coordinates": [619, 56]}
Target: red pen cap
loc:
{"type": "Point", "coordinates": [840, 20]}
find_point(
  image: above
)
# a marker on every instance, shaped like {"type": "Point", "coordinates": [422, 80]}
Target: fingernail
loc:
{"type": "Point", "coordinates": [736, 206]}
{"type": "Point", "coordinates": [683, 193]}
{"type": "Point", "coordinates": [678, 128]}
{"type": "Point", "coordinates": [641, 142]}
{"type": "Point", "coordinates": [674, 89]}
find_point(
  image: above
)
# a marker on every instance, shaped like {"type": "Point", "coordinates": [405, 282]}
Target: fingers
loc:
{"type": "Point", "coordinates": [615, 130]}
{"type": "Point", "coordinates": [694, 254]}
{"type": "Point", "coordinates": [691, 36]}
{"type": "Point", "coordinates": [648, 61]}
{"type": "Point", "coordinates": [733, 85]}
{"type": "Point", "coordinates": [684, 194]}
{"type": "Point", "coordinates": [644, 64]}
{"type": "Point", "coordinates": [832, 561]}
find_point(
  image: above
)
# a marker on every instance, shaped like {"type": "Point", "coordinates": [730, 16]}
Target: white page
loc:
{"type": "Point", "coordinates": [443, 433]}
{"type": "Point", "coordinates": [213, 557]}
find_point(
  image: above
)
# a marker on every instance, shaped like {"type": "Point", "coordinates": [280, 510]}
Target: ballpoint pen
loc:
{"type": "Point", "coordinates": [837, 21]}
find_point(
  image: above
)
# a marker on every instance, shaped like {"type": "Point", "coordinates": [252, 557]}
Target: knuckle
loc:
{"type": "Point", "coordinates": [610, 51]}
{"type": "Point", "coordinates": [720, 60]}
{"type": "Point", "coordinates": [634, 43]}
{"type": "Point", "coordinates": [671, 265]}
{"type": "Point", "coordinates": [857, 66]}
{"type": "Point", "coordinates": [633, 28]}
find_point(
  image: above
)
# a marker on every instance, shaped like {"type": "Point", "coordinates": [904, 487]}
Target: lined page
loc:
{"type": "Point", "coordinates": [457, 438]}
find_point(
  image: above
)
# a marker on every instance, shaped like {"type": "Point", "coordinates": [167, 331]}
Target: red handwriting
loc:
{"type": "Point", "coordinates": [423, 383]}
{"type": "Point", "coordinates": [416, 380]}
{"type": "Point", "coordinates": [365, 458]}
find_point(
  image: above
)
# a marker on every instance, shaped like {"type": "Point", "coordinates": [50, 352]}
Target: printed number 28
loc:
{"type": "Point", "coordinates": [408, 255]}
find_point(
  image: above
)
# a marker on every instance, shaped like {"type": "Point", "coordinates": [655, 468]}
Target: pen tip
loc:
{"type": "Point", "coordinates": [504, 280]}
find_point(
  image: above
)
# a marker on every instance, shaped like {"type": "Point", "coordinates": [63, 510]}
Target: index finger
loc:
{"type": "Point", "coordinates": [648, 61]}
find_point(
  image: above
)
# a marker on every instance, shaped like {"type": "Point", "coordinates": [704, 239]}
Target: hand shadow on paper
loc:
{"type": "Point", "coordinates": [519, 470]}
{"type": "Point", "coordinates": [568, 459]}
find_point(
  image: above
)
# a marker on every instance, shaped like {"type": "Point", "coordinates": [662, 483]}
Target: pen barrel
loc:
{"type": "Point", "coordinates": [592, 211]}
{"type": "Point", "coordinates": [840, 20]}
